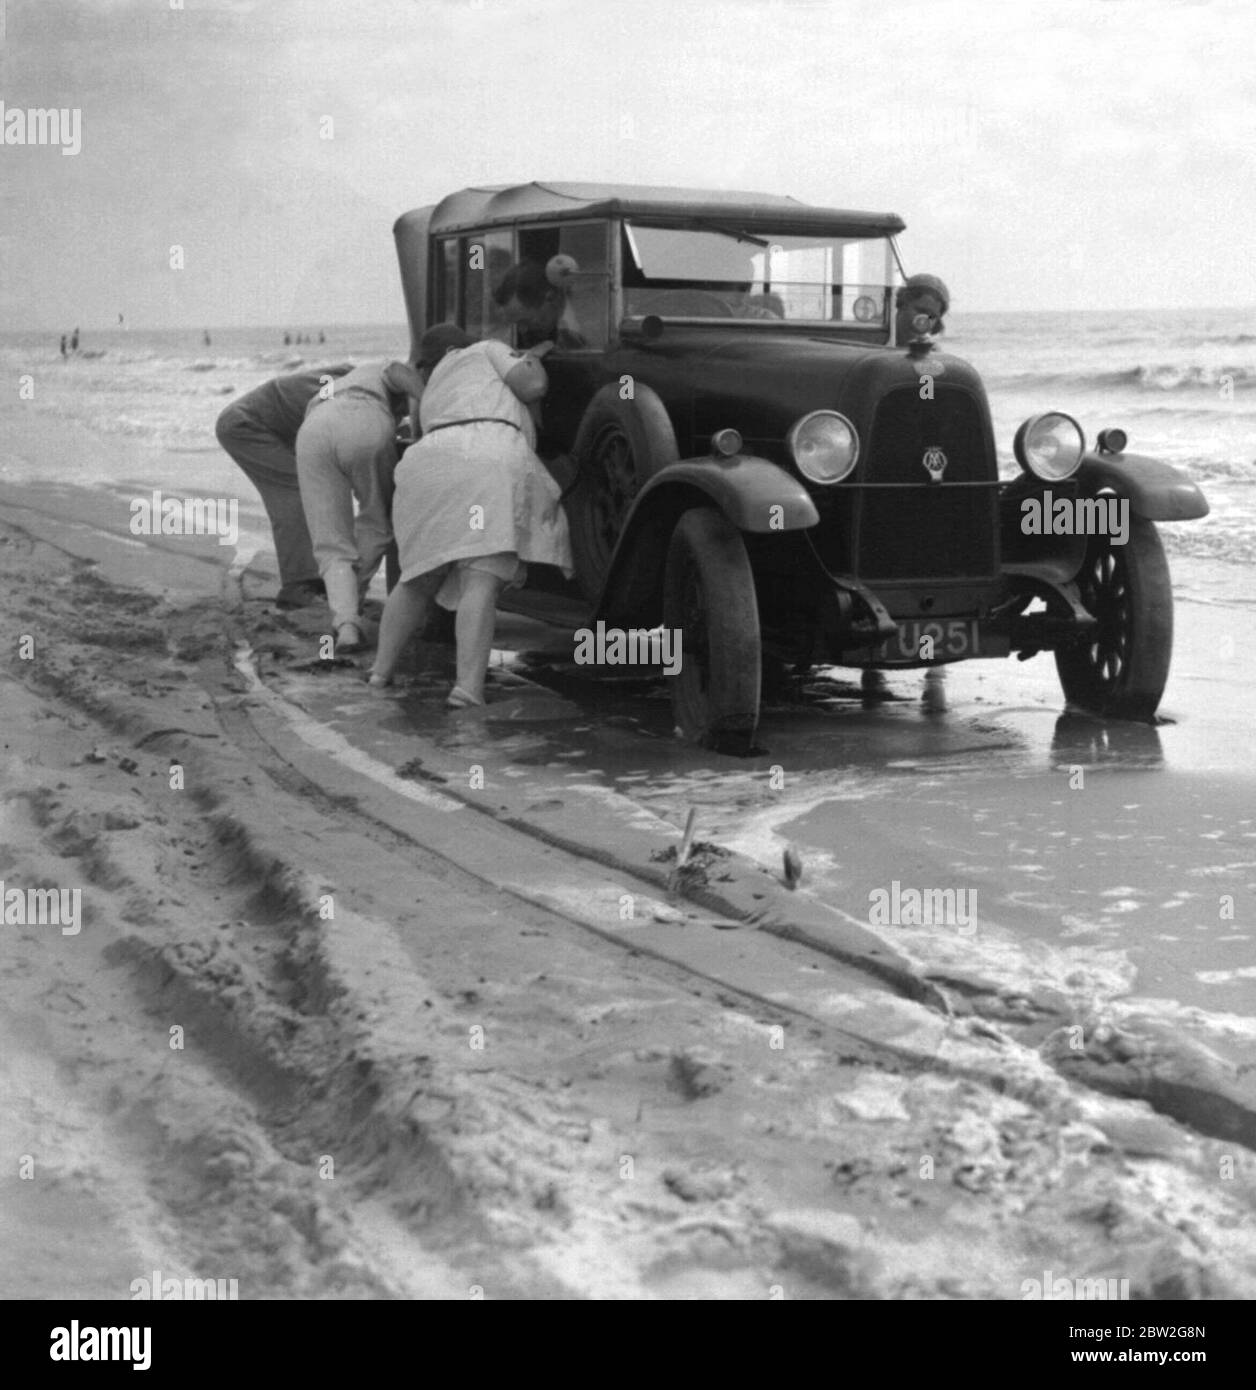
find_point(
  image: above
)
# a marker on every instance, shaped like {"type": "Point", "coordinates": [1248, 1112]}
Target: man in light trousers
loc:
{"type": "Point", "coordinates": [259, 432]}
{"type": "Point", "coordinates": [346, 452]}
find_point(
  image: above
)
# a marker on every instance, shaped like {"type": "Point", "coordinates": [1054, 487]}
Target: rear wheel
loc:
{"type": "Point", "coordinates": [709, 595]}
{"type": "Point", "coordinates": [1122, 669]}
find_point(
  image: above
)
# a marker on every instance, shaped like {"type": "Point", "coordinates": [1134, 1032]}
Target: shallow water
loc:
{"type": "Point", "coordinates": [1109, 862]}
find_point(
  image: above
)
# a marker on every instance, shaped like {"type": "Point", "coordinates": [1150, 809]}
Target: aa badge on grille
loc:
{"type": "Point", "coordinates": [935, 464]}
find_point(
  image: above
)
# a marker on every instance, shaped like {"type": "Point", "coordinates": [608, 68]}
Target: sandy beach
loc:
{"type": "Point", "coordinates": [371, 1000]}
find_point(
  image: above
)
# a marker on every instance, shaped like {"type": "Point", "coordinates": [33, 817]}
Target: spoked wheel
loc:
{"type": "Point", "coordinates": [709, 595]}
{"type": "Point", "coordinates": [620, 443]}
{"type": "Point", "coordinates": [1121, 670]}
{"type": "Point", "coordinates": [612, 484]}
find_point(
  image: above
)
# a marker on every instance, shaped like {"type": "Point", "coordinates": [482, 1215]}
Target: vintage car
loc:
{"type": "Point", "coordinates": [755, 453]}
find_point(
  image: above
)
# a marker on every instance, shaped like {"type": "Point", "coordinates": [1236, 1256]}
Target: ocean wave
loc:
{"type": "Point", "coordinates": [1174, 376]}
{"type": "Point", "coordinates": [1219, 340]}
{"type": "Point", "coordinates": [1167, 376]}
{"type": "Point", "coordinates": [146, 362]}
{"type": "Point", "coordinates": [285, 363]}
{"type": "Point", "coordinates": [1220, 469]}
{"type": "Point", "coordinates": [1218, 410]}
{"type": "Point", "coordinates": [1235, 546]}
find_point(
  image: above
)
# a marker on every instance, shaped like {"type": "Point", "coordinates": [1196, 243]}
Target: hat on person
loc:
{"type": "Point", "coordinates": [926, 284]}
{"type": "Point", "coordinates": [437, 341]}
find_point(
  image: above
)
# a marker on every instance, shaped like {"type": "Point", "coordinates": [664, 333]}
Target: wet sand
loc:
{"type": "Point", "coordinates": [776, 1067]}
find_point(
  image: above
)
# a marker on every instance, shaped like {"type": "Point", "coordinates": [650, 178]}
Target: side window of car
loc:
{"type": "Point", "coordinates": [487, 258]}
{"type": "Point", "coordinates": [446, 306]}
{"type": "Point", "coordinates": [588, 291]}
{"type": "Point", "coordinates": [585, 319]}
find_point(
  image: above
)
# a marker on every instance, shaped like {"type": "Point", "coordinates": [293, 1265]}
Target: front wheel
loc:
{"type": "Point", "coordinates": [1122, 668]}
{"type": "Point", "coordinates": [709, 596]}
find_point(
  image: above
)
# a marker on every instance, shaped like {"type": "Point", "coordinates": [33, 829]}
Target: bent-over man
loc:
{"type": "Point", "coordinates": [259, 432]}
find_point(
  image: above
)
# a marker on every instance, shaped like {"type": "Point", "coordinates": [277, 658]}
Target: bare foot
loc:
{"type": "Point", "coordinates": [463, 699]}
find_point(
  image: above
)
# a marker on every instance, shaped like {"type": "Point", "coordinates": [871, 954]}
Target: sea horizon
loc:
{"type": "Point", "coordinates": [345, 324]}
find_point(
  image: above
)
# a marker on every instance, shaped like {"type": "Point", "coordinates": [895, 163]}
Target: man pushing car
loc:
{"type": "Point", "coordinates": [259, 432]}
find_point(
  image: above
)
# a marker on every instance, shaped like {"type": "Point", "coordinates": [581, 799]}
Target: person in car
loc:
{"type": "Point", "coordinates": [920, 294]}
{"type": "Point", "coordinates": [473, 503]}
{"type": "Point", "coordinates": [527, 298]}
{"type": "Point", "coordinates": [346, 452]}
{"type": "Point", "coordinates": [747, 303]}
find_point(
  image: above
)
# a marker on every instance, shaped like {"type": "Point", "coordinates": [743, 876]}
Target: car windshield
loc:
{"type": "Point", "coordinates": [722, 271]}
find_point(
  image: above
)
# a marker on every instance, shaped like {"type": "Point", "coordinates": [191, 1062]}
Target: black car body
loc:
{"type": "Point", "coordinates": [753, 459]}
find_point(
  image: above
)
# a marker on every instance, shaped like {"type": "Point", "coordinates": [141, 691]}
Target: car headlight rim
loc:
{"type": "Point", "coordinates": [808, 447]}
{"type": "Point", "coordinates": [1040, 451]}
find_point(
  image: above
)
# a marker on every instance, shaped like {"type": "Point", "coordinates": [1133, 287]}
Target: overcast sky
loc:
{"type": "Point", "coordinates": [1044, 153]}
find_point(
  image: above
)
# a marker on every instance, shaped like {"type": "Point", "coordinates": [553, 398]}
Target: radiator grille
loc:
{"type": "Point", "coordinates": [929, 530]}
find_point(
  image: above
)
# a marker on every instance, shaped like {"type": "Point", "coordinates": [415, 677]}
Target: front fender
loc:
{"type": "Point", "coordinates": [1156, 491]}
{"type": "Point", "coordinates": [744, 488]}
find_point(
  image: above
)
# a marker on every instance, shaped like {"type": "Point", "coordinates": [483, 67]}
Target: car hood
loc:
{"type": "Point", "coordinates": [767, 380]}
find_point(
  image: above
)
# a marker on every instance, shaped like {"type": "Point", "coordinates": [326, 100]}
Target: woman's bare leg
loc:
{"type": "Point", "coordinates": [477, 616]}
{"type": "Point", "coordinates": [404, 613]}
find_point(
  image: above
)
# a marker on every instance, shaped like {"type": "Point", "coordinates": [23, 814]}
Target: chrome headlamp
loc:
{"type": "Point", "coordinates": [1050, 446]}
{"type": "Point", "coordinates": [824, 445]}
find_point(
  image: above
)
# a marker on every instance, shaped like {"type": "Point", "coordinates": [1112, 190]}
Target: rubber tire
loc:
{"type": "Point", "coordinates": [1123, 671]}
{"type": "Point", "coordinates": [649, 442]}
{"type": "Point", "coordinates": [715, 694]}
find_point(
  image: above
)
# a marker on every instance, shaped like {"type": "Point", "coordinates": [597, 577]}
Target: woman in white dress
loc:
{"type": "Point", "coordinates": [473, 502]}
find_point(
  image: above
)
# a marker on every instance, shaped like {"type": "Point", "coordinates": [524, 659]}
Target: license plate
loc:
{"type": "Point", "coordinates": [935, 639]}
